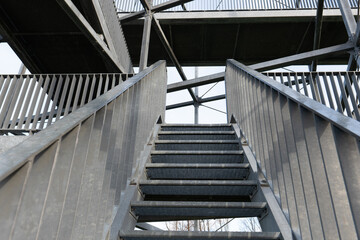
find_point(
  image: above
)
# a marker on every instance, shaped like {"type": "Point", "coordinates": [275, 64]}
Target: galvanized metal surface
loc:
{"type": "Point", "coordinates": [66, 181]}
{"type": "Point", "coordinates": [177, 192]}
{"type": "Point", "coordinates": [337, 90]}
{"type": "Point", "coordinates": [308, 153]}
{"type": "Point", "coordinates": [33, 102]}
{"type": "Point", "coordinates": [219, 5]}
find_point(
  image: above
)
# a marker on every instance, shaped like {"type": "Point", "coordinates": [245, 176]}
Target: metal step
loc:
{"type": "Point", "coordinates": [198, 187]}
{"type": "Point", "coordinates": [197, 127]}
{"type": "Point", "coordinates": [197, 156]}
{"type": "Point", "coordinates": [196, 135]}
{"type": "Point", "coordinates": [171, 235]}
{"type": "Point", "coordinates": [149, 211]}
{"type": "Point", "coordinates": [201, 145]}
{"type": "Point", "coordinates": [197, 171]}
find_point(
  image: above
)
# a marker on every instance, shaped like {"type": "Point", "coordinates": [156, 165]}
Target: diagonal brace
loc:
{"type": "Point", "coordinates": [154, 9]}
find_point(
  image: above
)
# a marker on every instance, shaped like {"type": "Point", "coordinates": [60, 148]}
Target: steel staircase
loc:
{"type": "Point", "coordinates": [196, 172]}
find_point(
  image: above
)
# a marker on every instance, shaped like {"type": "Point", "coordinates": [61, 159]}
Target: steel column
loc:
{"type": "Point", "coordinates": [145, 43]}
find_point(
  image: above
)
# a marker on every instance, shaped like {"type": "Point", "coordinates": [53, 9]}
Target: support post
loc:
{"type": "Point", "coordinates": [145, 41]}
{"type": "Point", "coordinates": [317, 34]}
{"type": "Point", "coordinates": [196, 105]}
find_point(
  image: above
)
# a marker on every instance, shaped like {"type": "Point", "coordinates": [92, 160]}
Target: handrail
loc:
{"type": "Point", "coordinates": [10, 161]}
{"type": "Point", "coordinates": [347, 124]}
{"type": "Point", "coordinates": [308, 153]}
{"type": "Point", "coordinates": [337, 90]}
{"type": "Point", "coordinates": [73, 172]}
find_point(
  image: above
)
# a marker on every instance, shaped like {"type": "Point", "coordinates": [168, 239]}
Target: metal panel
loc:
{"type": "Point", "coordinates": [327, 87]}
{"type": "Point", "coordinates": [65, 181]}
{"type": "Point", "coordinates": [316, 149]}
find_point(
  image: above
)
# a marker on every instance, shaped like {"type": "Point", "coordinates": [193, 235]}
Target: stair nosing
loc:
{"type": "Point", "coordinates": [198, 165]}
{"type": "Point", "coordinates": [196, 125]}
{"type": "Point", "coordinates": [196, 152]}
{"type": "Point", "coordinates": [202, 234]}
{"type": "Point", "coordinates": [200, 182]}
{"type": "Point", "coordinates": [196, 132]}
{"type": "Point", "coordinates": [197, 141]}
{"type": "Point", "coordinates": [189, 204]}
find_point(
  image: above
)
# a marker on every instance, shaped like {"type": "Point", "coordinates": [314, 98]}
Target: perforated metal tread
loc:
{"type": "Point", "coordinates": [194, 171]}
{"type": "Point", "coordinates": [198, 187]}
{"type": "Point", "coordinates": [197, 156]}
{"type": "Point", "coordinates": [200, 145]}
{"type": "Point", "coordinates": [197, 127]}
{"type": "Point", "coordinates": [171, 211]}
{"type": "Point", "coordinates": [196, 135]}
{"type": "Point", "coordinates": [171, 235]}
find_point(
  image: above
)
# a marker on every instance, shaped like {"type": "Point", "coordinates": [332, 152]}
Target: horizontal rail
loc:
{"type": "Point", "coordinates": [337, 90]}
{"type": "Point", "coordinates": [224, 5]}
{"type": "Point", "coordinates": [66, 180]}
{"type": "Point", "coordinates": [307, 152]}
{"type": "Point", "coordinates": [32, 102]}
{"type": "Point", "coordinates": [201, 100]}
{"type": "Point", "coordinates": [217, 77]}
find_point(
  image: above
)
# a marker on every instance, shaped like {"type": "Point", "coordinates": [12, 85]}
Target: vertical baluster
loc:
{"type": "Point", "coordinates": [355, 80]}
{"type": "Point", "coordinates": [313, 89]}
{"type": "Point", "coordinates": [7, 91]}
{"type": "Point", "coordinates": [35, 100]}
{"type": "Point", "coordinates": [320, 88]}
{"type": "Point", "coordinates": [70, 95]}
{"type": "Point", "coordinates": [297, 82]}
{"type": "Point", "coordinates": [26, 104]}
{"type": "Point", "coordinates": [352, 97]}
{"type": "Point", "coordinates": [99, 86]}
{"type": "Point", "coordinates": [328, 91]}
{"type": "Point", "coordinates": [91, 93]}
{"type": "Point", "coordinates": [63, 97]}
{"type": "Point", "coordinates": [46, 113]}
{"type": "Point", "coordinates": [77, 94]}
{"type": "Point", "coordinates": [20, 102]}
{"type": "Point", "coordinates": [40, 103]}
{"type": "Point", "coordinates": [289, 80]}
{"type": "Point", "coordinates": [344, 95]}
{"type": "Point", "coordinates": [85, 90]}
{"type": "Point", "coordinates": [55, 101]}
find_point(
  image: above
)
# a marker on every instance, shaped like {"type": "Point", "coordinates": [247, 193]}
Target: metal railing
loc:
{"type": "Point", "coordinates": [65, 182]}
{"type": "Point", "coordinates": [224, 5]}
{"type": "Point", "coordinates": [33, 102]}
{"type": "Point", "coordinates": [337, 90]}
{"type": "Point", "coordinates": [308, 153]}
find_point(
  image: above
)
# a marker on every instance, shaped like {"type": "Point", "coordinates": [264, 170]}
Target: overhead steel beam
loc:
{"type": "Point", "coordinates": [154, 9]}
{"type": "Point", "coordinates": [315, 54]}
{"type": "Point", "coordinates": [171, 54]}
{"type": "Point", "coordinates": [348, 17]}
{"type": "Point", "coordinates": [196, 82]}
{"type": "Point", "coordinates": [317, 33]}
{"type": "Point", "coordinates": [305, 15]}
{"type": "Point", "coordinates": [90, 33]}
{"type": "Point", "coordinates": [201, 100]}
